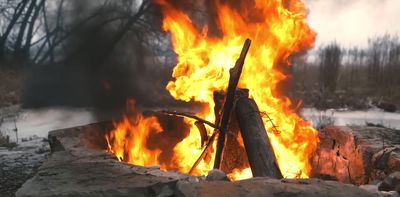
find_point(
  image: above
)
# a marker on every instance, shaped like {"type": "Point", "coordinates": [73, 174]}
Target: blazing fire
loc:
{"type": "Point", "coordinates": [278, 29]}
{"type": "Point", "coordinates": [128, 140]}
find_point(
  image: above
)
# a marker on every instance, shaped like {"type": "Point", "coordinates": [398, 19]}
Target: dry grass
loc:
{"type": "Point", "coordinates": [353, 89]}
{"type": "Point", "coordinates": [11, 82]}
{"type": "Point", "coordinates": [10, 86]}
{"type": "Point", "coordinates": [3, 140]}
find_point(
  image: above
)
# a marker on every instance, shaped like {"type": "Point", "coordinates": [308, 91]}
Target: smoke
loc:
{"type": "Point", "coordinates": [97, 67]}
{"type": "Point", "coordinates": [352, 22]}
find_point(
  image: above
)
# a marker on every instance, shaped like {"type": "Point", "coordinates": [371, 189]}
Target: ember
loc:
{"type": "Point", "coordinates": [277, 29]}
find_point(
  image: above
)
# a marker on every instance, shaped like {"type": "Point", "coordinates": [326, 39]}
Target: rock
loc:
{"type": "Point", "coordinates": [386, 161]}
{"type": "Point", "coordinates": [82, 171]}
{"type": "Point", "coordinates": [19, 164]}
{"type": "Point", "coordinates": [389, 194]}
{"type": "Point", "coordinates": [185, 188]}
{"type": "Point", "coordinates": [356, 154]}
{"type": "Point", "coordinates": [391, 183]}
{"type": "Point", "coordinates": [268, 187]}
{"type": "Point", "coordinates": [387, 107]}
{"type": "Point", "coordinates": [216, 175]}
{"type": "Point", "coordinates": [370, 188]}
{"type": "Point", "coordinates": [166, 191]}
{"type": "Point", "coordinates": [79, 170]}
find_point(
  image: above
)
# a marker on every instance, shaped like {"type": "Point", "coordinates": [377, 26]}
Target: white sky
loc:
{"type": "Point", "coordinates": [352, 22]}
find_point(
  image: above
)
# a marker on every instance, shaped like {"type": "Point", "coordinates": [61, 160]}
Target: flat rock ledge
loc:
{"type": "Point", "coordinates": [77, 169]}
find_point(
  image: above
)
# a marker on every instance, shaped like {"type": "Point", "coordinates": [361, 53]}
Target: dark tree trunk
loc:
{"type": "Point", "coordinates": [258, 147]}
{"type": "Point", "coordinates": [20, 37]}
{"type": "Point", "coordinates": [29, 34]}
{"type": "Point", "coordinates": [17, 13]}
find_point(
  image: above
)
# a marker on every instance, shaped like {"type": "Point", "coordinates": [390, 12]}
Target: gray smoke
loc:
{"type": "Point", "coordinates": [97, 67]}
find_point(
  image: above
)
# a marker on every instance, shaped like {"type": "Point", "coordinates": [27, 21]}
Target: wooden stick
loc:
{"type": "Point", "coordinates": [203, 154]}
{"type": "Point", "coordinates": [219, 98]}
{"type": "Point", "coordinates": [234, 77]}
{"type": "Point", "coordinates": [203, 132]}
{"type": "Point", "coordinates": [187, 115]}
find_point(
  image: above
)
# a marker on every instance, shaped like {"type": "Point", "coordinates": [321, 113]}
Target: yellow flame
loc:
{"type": "Point", "coordinates": [204, 62]}
{"type": "Point", "coordinates": [277, 29]}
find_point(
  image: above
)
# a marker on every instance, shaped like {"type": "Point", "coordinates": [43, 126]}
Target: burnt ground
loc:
{"type": "Point", "coordinates": [20, 163]}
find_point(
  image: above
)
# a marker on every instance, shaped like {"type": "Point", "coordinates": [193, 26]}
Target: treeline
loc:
{"type": "Point", "coordinates": [85, 53]}
{"type": "Point", "coordinates": [42, 31]}
{"type": "Point", "coordinates": [370, 73]}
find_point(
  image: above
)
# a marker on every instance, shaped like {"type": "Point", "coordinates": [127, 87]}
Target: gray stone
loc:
{"type": "Point", "coordinates": [216, 175]}
{"type": "Point", "coordinates": [391, 183]}
{"type": "Point", "coordinates": [81, 171]}
{"type": "Point", "coordinates": [166, 191]}
{"type": "Point", "coordinates": [389, 194]}
{"type": "Point", "coordinates": [370, 188]}
{"type": "Point", "coordinates": [268, 187]}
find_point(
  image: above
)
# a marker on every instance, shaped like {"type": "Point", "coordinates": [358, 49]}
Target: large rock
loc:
{"type": "Point", "coordinates": [356, 154]}
{"type": "Point", "coordinates": [216, 175]}
{"type": "Point", "coordinates": [76, 169]}
{"type": "Point", "coordinates": [374, 189]}
{"type": "Point", "coordinates": [268, 187]}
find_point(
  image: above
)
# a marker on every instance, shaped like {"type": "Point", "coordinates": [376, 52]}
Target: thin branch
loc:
{"type": "Point", "coordinates": [203, 154]}
{"type": "Point", "coordinates": [277, 132]}
{"type": "Point", "coordinates": [187, 115]}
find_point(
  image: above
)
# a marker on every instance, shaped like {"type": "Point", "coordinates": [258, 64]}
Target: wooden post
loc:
{"type": "Point", "coordinates": [234, 77]}
{"type": "Point", "coordinates": [258, 147]}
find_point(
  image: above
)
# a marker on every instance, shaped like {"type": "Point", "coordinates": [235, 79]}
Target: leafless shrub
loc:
{"type": "Point", "coordinates": [351, 76]}
{"type": "Point", "coordinates": [323, 120]}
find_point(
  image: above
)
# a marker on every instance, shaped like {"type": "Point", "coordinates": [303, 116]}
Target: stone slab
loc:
{"type": "Point", "coordinates": [75, 168]}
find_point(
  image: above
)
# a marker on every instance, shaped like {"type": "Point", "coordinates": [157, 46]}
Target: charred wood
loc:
{"type": "Point", "coordinates": [259, 150]}
{"type": "Point", "coordinates": [234, 77]}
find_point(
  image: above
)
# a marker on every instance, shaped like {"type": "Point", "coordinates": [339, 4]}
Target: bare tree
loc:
{"type": "Point", "coordinates": [383, 63]}
{"type": "Point", "coordinates": [18, 10]}
{"type": "Point", "coordinates": [30, 19]}
{"type": "Point", "coordinates": [22, 30]}
{"type": "Point", "coordinates": [28, 41]}
{"type": "Point", "coordinates": [330, 60]}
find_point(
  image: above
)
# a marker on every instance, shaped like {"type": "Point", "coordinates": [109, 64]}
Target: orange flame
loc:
{"type": "Point", "coordinates": [128, 141]}
{"type": "Point", "coordinates": [277, 29]}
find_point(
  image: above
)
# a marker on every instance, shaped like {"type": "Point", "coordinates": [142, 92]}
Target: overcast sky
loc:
{"type": "Point", "coordinates": [352, 22]}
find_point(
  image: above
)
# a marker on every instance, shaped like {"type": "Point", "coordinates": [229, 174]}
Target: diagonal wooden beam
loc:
{"type": "Point", "coordinates": [234, 77]}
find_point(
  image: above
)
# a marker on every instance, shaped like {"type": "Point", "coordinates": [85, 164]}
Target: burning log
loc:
{"type": "Point", "coordinates": [234, 77]}
{"type": "Point", "coordinates": [234, 154]}
{"type": "Point", "coordinates": [219, 97]}
{"type": "Point", "coordinates": [260, 153]}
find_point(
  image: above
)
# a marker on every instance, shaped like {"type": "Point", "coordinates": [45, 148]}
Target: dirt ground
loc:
{"type": "Point", "coordinates": [20, 163]}
{"type": "Point", "coordinates": [11, 82]}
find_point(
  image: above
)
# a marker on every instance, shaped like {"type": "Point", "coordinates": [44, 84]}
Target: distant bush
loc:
{"type": "Point", "coordinates": [351, 77]}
